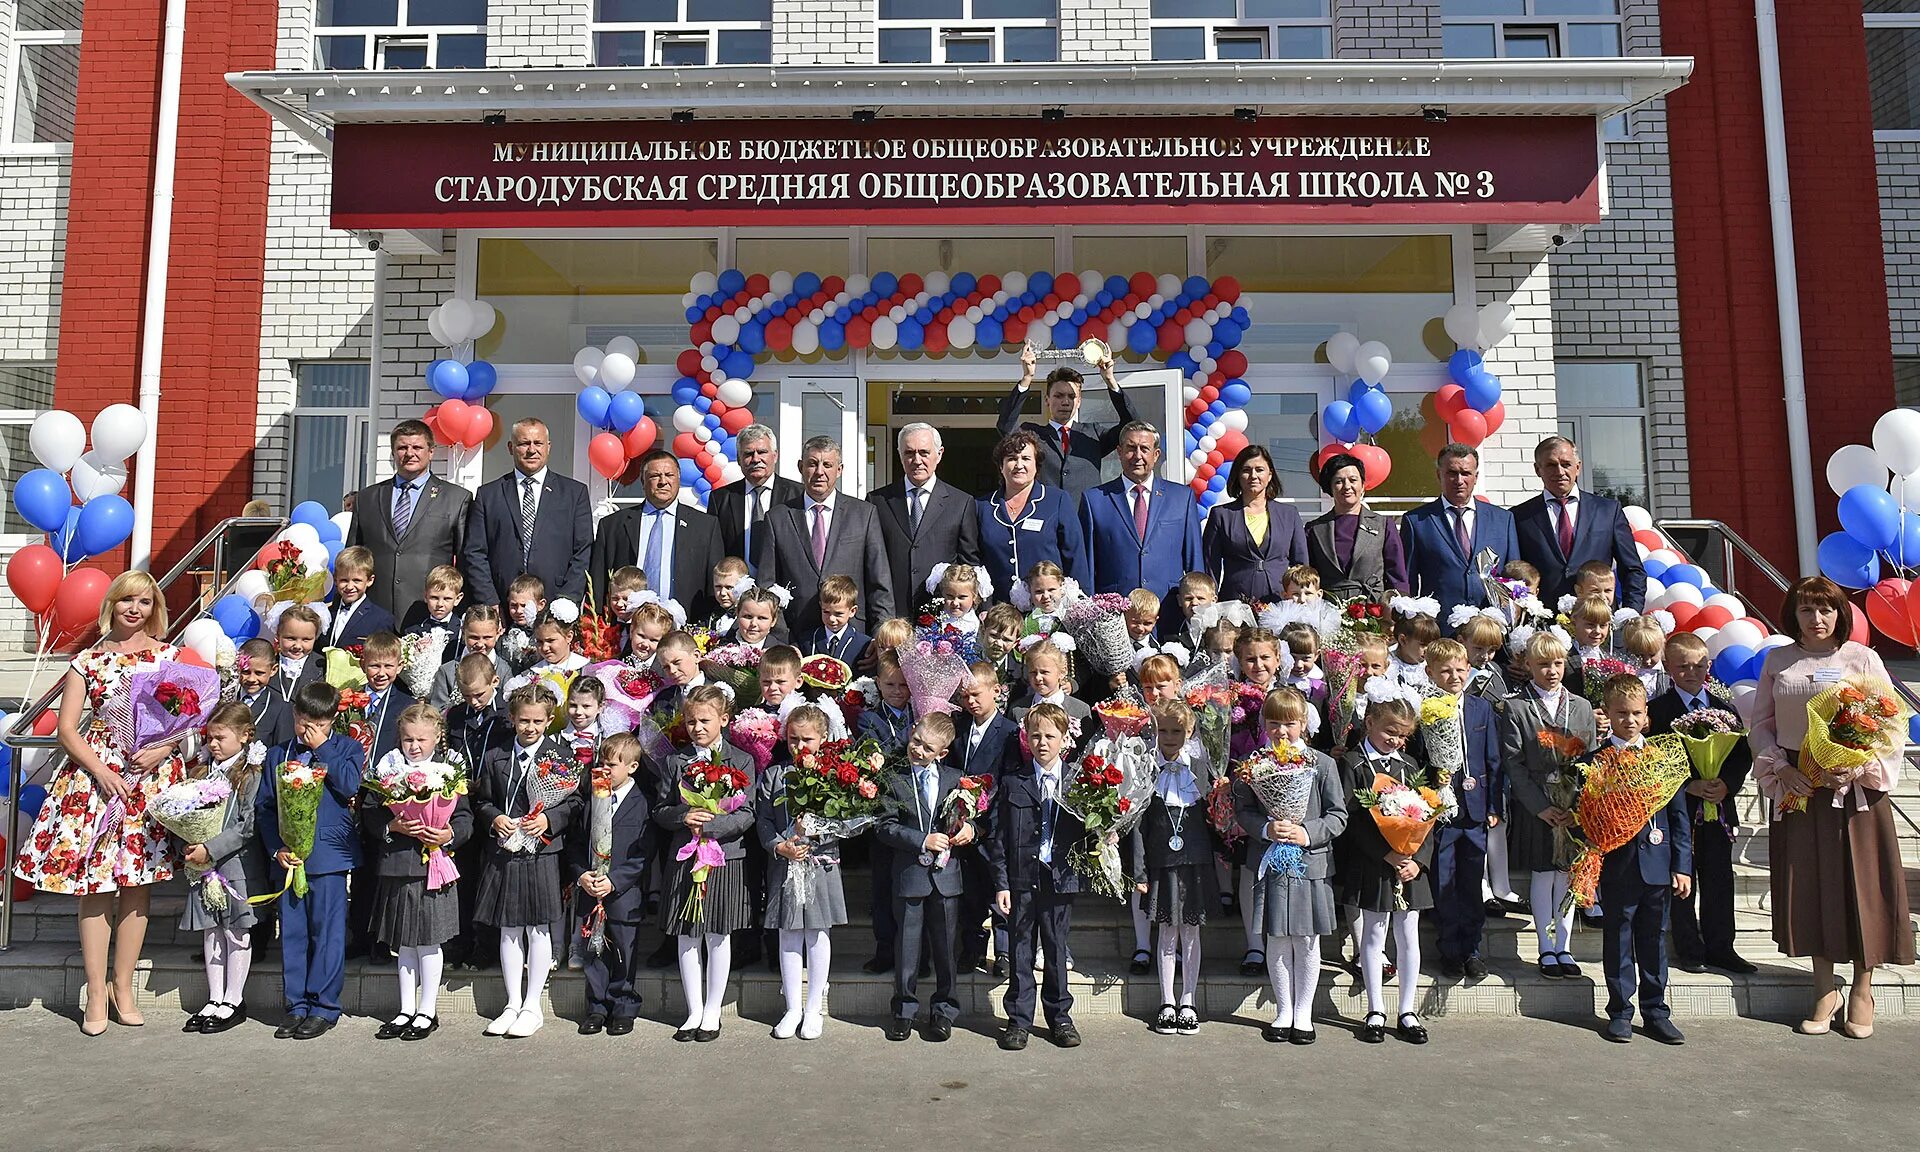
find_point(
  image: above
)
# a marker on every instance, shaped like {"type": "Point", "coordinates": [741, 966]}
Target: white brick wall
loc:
{"type": "Point", "coordinates": [1524, 364]}
{"type": "Point", "coordinates": [538, 33]}
{"type": "Point", "coordinates": [1395, 29]}
{"type": "Point", "coordinates": [824, 32]}
{"type": "Point", "coordinates": [1103, 31]}
{"type": "Point", "coordinates": [1900, 235]}
{"type": "Point", "coordinates": [414, 286]}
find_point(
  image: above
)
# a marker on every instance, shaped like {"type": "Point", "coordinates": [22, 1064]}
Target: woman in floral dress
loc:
{"type": "Point", "coordinates": [76, 848]}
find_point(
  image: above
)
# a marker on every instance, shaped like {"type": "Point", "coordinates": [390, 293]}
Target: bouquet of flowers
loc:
{"type": "Point", "coordinates": [1098, 625]}
{"type": "Point", "coordinates": [420, 660]}
{"type": "Point", "coordinates": [600, 637]}
{"type": "Point", "coordinates": [1621, 790]}
{"type": "Point", "coordinates": [1446, 745]}
{"type": "Point", "coordinates": [716, 787]}
{"type": "Point", "coordinates": [350, 718]}
{"type": "Point", "coordinates": [736, 665]}
{"type": "Point", "coordinates": [968, 801]}
{"type": "Point", "coordinates": [1849, 726]}
{"type": "Point", "coordinates": [288, 577]}
{"type": "Point", "coordinates": [297, 792]}
{"type": "Point", "coordinates": [935, 668]}
{"type": "Point", "coordinates": [1563, 784]}
{"type": "Point", "coordinates": [1121, 718]}
{"type": "Point", "coordinates": [1709, 735]}
{"type": "Point", "coordinates": [1404, 814]}
{"type": "Point", "coordinates": [961, 641]}
{"type": "Point", "coordinates": [1212, 706]}
{"type": "Point", "coordinates": [1109, 796]}
{"type": "Point", "coordinates": [161, 702]}
{"type": "Point", "coordinates": [854, 700]}
{"type": "Point", "coordinates": [427, 791]}
{"type": "Point", "coordinates": [1595, 671]}
{"type": "Point", "coordinates": [551, 781]}
{"type": "Point", "coordinates": [1365, 617]}
{"type": "Point", "coordinates": [195, 811]}
{"type": "Point", "coordinates": [600, 853]}
{"type": "Point", "coordinates": [826, 674]}
{"type": "Point", "coordinates": [755, 731]}
{"type": "Point", "coordinates": [628, 685]}
{"type": "Point", "coordinates": [1282, 779]}
{"type": "Point", "coordinates": [705, 637]}
{"type": "Point", "coordinates": [833, 793]}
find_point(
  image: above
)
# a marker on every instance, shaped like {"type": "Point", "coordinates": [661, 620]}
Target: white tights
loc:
{"type": "Point", "coordinates": [1373, 955]}
{"type": "Point", "coordinates": [706, 995]}
{"type": "Point", "coordinates": [525, 952]}
{"type": "Point", "coordinates": [1498, 883]}
{"type": "Point", "coordinates": [229, 955]}
{"type": "Point", "coordinates": [420, 980]}
{"type": "Point", "coordinates": [818, 954]}
{"type": "Point", "coordinates": [1182, 940]}
{"type": "Point", "coordinates": [1293, 967]}
{"type": "Point", "coordinates": [1555, 932]}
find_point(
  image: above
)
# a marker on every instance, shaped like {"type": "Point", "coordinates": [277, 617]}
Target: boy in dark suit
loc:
{"type": "Point", "coordinates": [386, 700]}
{"type": "Point", "coordinates": [1703, 919]}
{"type": "Point", "coordinates": [313, 927]}
{"type": "Point", "coordinates": [888, 722]}
{"type": "Point", "coordinates": [355, 616]}
{"type": "Point", "coordinates": [477, 727]}
{"type": "Point", "coordinates": [253, 667]}
{"type": "Point", "coordinates": [926, 876]}
{"type": "Point", "coordinates": [294, 635]}
{"type": "Point", "coordinates": [1460, 857]}
{"type": "Point", "coordinates": [986, 743]}
{"type": "Point", "coordinates": [1033, 885]}
{"type": "Point", "coordinates": [614, 890]}
{"type": "Point", "coordinates": [837, 636]}
{"type": "Point", "coordinates": [1635, 882]}
{"type": "Point", "coordinates": [440, 609]}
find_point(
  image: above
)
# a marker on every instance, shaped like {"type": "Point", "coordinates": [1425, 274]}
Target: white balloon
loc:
{"type": "Point", "coordinates": [1639, 518]}
{"type": "Point", "coordinates": [859, 284]}
{"type": "Point", "coordinates": [936, 282]}
{"type": "Point", "coordinates": [118, 432]}
{"type": "Point", "coordinates": [203, 637]}
{"type": "Point", "coordinates": [703, 284]}
{"type": "Point", "coordinates": [1341, 349]}
{"type": "Point", "coordinates": [1167, 285]}
{"type": "Point", "coordinates": [300, 535]}
{"type": "Point", "coordinates": [1208, 443]}
{"type": "Point", "coordinates": [1040, 336]}
{"type": "Point", "coordinates": [455, 319]}
{"type": "Point", "coordinates": [251, 585]}
{"type": "Point", "coordinates": [897, 313]}
{"type": "Point", "coordinates": [1728, 601]}
{"type": "Point", "coordinates": [1091, 282]}
{"type": "Point", "coordinates": [1197, 457]}
{"type": "Point", "coordinates": [1236, 419]}
{"type": "Point", "coordinates": [735, 393]}
{"type": "Point", "coordinates": [1142, 310]}
{"type": "Point", "coordinates": [1706, 635]}
{"type": "Point", "coordinates": [1718, 643]}
{"type": "Point", "coordinates": [623, 346]}
{"type": "Point", "coordinates": [726, 329]}
{"type": "Point", "coordinates": [1641, 549]}
{"type": "Point", "coordinates": [1371, 361]}
{"type": "Point", "coordinates": [1776, 640]}
{"type": "Point", "coordinates": [342, 521]}
{"type": "Point", "coordinates": [686, 418]}
{"type": "Point", "coordinates": [1687, 593]}
{"type": "Point", "coordinates": [616, 371]}
{"type": "Point", "coordinates": [57, 439]}
{"type": "Point", "coordinates": [1655, 590]}
{"type": "Point", "coordinates": [1742, 632]}
{"type": "Point", "coordinates": [1189, 393]}
{"type": "Point", "coordinates": [708, 363]}
{"type": "Point", "coordinates": [1199, 332]}
{"type": "Point", "coordinates": [714, 449]}
{"type": "Point", "coordinates": [702, 433]}
{"type": "Point", "coordinates": [95, 477]}
{"type": "Point", "coordinates": [743, 314]}
{"type": "Point", "coordinates": [314, 558]}
{"type": "Point", "coordinates": [960, 332]}
{"type": "Point", "coordinates": [885, 332]}
{"type": "Point", "coordinates": [586, 364]}
{"type": "Point", "coordinates": [434, 329]}
{"type": "Point", "coordinates": [1496, 322]}
{"type": "Point", "coordinates": [484, 317]}
{"type": "Point", "coordinates": [780, 283]}
{"type": "Point", "coordinates": [1667, 555]}
{"type": "Point", "coordinates": [1852, 465]}
{"type": "Point", "coordinates": [1896, 440]}
{"type": "Point", "coordinates": [1462, 323]}
{"type": "Point", "coordinates": [806, 337]}
{"type": "Point", "coordinates": [1743, 694]}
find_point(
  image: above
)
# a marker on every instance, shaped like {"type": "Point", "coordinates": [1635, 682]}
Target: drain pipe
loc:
{"type": "Point", "coordinates": [153, 319]}
{"type": "Point", "coordinates": [1786, 286]}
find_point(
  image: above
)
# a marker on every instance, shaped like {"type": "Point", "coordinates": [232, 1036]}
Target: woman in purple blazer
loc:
{"type": "Point", "coordinates": [1249, 544]}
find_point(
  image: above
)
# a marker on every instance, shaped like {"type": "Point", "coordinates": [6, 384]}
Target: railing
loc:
{"type": "Point", "coordinates": [19, 736]}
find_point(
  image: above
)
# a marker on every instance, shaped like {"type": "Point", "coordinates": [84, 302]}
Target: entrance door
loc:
{"type": "Point", "coordinates": [823, 406]}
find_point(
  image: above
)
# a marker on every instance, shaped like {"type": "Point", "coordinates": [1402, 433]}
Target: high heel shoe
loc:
{"type": "Point", "coordinates": [120, 1016]}
{"type": "Point", "coordinates": [1821, 1022]}
{"type": "Point", "coordinates": [92, 1027]}
{"type": "Point", "coordinates": [1859, 1022]}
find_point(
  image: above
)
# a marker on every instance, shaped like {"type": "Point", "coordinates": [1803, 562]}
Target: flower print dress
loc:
{"type": "Point", "coordinates": [81, 843]}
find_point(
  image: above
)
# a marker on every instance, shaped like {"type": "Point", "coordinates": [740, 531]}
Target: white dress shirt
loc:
{"type": "Point", "coordinates": [665, 522]}
{"type": "Point", "coordinates": [1573, 509]}
{"type": "Point", "coordinates": [520, 485]}
{"type": "Point", "coordinates": [806, 521]}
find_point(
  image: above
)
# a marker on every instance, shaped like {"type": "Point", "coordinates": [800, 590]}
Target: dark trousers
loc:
{"type": "Point", "coordinates": [610, 987]}
{"type": "Point", "coordinates": [1459, 863]}
{"type": "Point", "coordinates": [976, 908]}
{"type": "Point", "coordinates": [1633, 923]}
{"type": "Point", "coordinates": [475, 942]}
{"type": "Point", "coordinates": [938, 918]}
{"type": "Point", "coordinates": [1703, 922]}
{"type": "Point", "coordinates": [880, 901]}
{"type": "Point", "coordinates": [360, 888]}
{"type": "Point", "coordinates": [1048, 915]}
{"type": "Point", "coordinates": [313, 946]}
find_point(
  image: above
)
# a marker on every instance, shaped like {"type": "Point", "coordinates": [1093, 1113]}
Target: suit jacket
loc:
{"type": "Point", "coordinates": [1662, 712]}
{"type": "Point", "coordinates": [336, 841]}
{"type": "Point", "coordinates": [272, 717]}
{"type": "Point", "coordinates": [728, 506]}
{"type": "Point", "coordinates": [887, 730]}
{"type": "Point", "coordinates": [367, 619]}
{"type": "Point", "coordinates": [949, 533]}
{"type": "Point", "coordinates": [1435, 565]}
{"type": "Point", "coordinates": [499, 789]}
{"type": "Point", "coordinates": [446, 681]}
{"type": "Point", "coordinates": [312, 668]}
{"type": "Point", "coordinates": [999, 750]}
{"type": "Point", "coordinates": [1089, 444]}
{"type": "Point", "coordinates": [1122, 559]}
{"type": "Point", "coordinates": [1600, 532]}
{"type": "Point", "coordinates": [416, 623]}
{"type": "Point", "coordinates": [1659, 851]}
{"type": "Point", "coordinates": [1367, 881]}
{"type": "Point", "coordinates": [1325, 821]}
{"type": "Point", "coordinates": [1525, 763]}
{"type": "Point", "coordinates": [562, 539]}
{"type": "Point", "coordinates": [1049, 529]}
{"type": "Point", "coordinates": [1368, 571]}
{"type": "Point", "coordinates": [904, 824]}
{"type": "Point", "coordinates": [436, 528]}
{"type": "Point", "coordinates": [852, 645]}
{"type": "Point", "coordinates": [1481, 786]}
{"type": "Point", "coordinates": [855, 548]}
{"type": "Point", "coordinates": [386, 736]}
{"type": "Point", "coordinates": [1013, 851]}
{"type": "Point", "coordinates": [397, 854]}
{"type": "Point", "coordinates": [729, 829]}
{"type": "Point", "coordinates": [634, 836]}
{"type": "Point", "coordinates": [696, 549]}
{"type": "Point", "coordinates": [475, 737]}
{"type": "Point", "coordinates": [1245, 570]}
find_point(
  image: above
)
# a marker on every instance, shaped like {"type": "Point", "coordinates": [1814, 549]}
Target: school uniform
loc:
{"type": "Point", "coordinates": [1636, 881]}
{"type": "Point", "coordinates": [405, 913]}
{"type": "Point", "coordinates": [1078, 712]}
{"type": "Point", "coordinates": [1369, 882]}
{"type": "Point", "coordinates": [446, 681]}
{"type": "Point", "coordinates": [290, 678]}
{"type": "Point", "coordinates": [1489, 683]}
{"type": "Point", "coordinates": [889, 726]}
{"type": "Point", "coordinates": [418, 623]}
{"type": "Point", "coordinates": [1528, 768]}
{"type": "Point", "coordinates": [272, 716]}
{"type": "Point", "coordinates": [926, 891]}
{"type": "Point", "coordinates": [1171, 848]}
{"type": "Point", "coordinates": [353, 623]}
{"type": "Point", "coordinates": [1028, 853]}
{"type": "Point", "coordinates": [237, 858]}
{"type": "Point", "coordinates": [383, 717]}
{"type": "Point", "coordinates": [1460, 852]}
{"type": "Point", "coordinates": [725, 906]}
{"type": "Point", "coordinates": [1285, 905]}
{"type": "Point", "coordinates": [814, 899]}
{"type": "Point", "coordinates": [1703, 923]}
{"type": "Point", "coordinates": [611, 989]}
{"type": "Point", "coordinates": [313, 928]}
{"type": "Point", "coordinates": [847, 645]}
{"type": "Point", "coordinates": [474, 734]}
{"type": "Point", "coordinates": [521, 889]}
{"type": "Point", "coordinates": [995, 753]}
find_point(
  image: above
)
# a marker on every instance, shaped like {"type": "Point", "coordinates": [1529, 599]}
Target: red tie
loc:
{"type": "Point", "coordinates": [1566, 529]}
{"type": "Point", "coordinates": [1066, 441]}
{"type": "Point", "coordinates": [1140, 512]}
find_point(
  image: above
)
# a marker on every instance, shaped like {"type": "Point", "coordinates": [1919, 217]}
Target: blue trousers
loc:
{"type": "Point", "coordinates": [1459, 862]}
{"type": "Point", "coordinates": [313, 946]}
{"type": "Point", "coordinates": [1633, 922]}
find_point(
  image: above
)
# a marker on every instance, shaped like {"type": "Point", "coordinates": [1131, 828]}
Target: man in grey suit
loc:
{"type": "Point", "coordinates": [826, 533]}
{"type": "Point", "coordinates": [924, 521]}
{"type": "Point", "coordinates": [411, 523]}
{"type": "Point", "coordinates": [742, 506]}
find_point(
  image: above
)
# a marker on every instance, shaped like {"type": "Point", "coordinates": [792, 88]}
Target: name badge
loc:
{"type": "Point", "coordinates": [1030, 524]}
{"type": "Point", "coordinates": [1827, 675]}
{"type": "Point", "coordinates": [1654, 836]}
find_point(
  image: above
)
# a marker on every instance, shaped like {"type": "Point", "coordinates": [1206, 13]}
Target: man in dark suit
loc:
{"type": "Point", "coordinates": [1070, 453]}
{"type": "Point", "coordinates": [924, 520]}
{"type": "Point", "coordinates": [499, 544]}
{"type": "Point", "coordinates": [926, 877]}
{"type": "Point", "coordinates": [675, 544]}
{"type": "Point", "coordinates": [410, 523]}
{"type": "Point", "coordinates": [742, 506]}
{"type": "Point", "coordinates": [1442, 538]}
{"type": "Point", "coordinates": [1563, 528]}
{"type": "Point", "coordinates": [1141, 531]}
{"type": "Point", "coordinates": [619, 895]}
{"type": "Point", "coordinates": [824, 534]}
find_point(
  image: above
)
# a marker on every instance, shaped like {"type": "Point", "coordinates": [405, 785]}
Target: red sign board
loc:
{"type": "Point", "coordinates": [1279, 170]}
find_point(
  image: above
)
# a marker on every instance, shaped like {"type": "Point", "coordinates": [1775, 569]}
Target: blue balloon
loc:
{"type": "Point", "coordinates": [1731, 664]}
{"type": "Point", "coordinates": [689, 472]}
{"type": "Point", "coordinates": [753, 338]}
{"type": "Point", "coordinates": [1116, 287]}
{"type": "Point", "coordinates": [1463, 364]}
{"type": "Point", "coordinates": [1236, 393]}
{"type": "Point", "coordinates": [1870, 515]}
{"type": "Point", "coordinates": [777, 308]}
{"type": "Point", "coordinates": [1227, 334]}
{"type": "Point", "coordinates": [481, 378]}
{"type": "Point", "coordinates": [1142, 341]}
{"type": "Point", "coordinates": [1078, 317]}
{"type": "Point", "coordinates": [833, 334]}
{"type": "Point", "coordinates": [309, 512]}
{"type": "Point", "coordinates": [625, 411]}
{"type": "Point", "coordinates": [1196, 287]}
{"type": "Point", "coordinates": [1483, 391]}
{"type": "Point", "coordinates": [334, 548]}
{"type": "Point", "coordinates": [236, 618]}
{"type": "Point", "coordinates": [684, 390]}
{"type": "Point", "coordinates": [1216, 409]}
{"type": "Point", "coordinates": [885, 284]}
{"type": "Point", "coordinates": [1039, 284]}
{"type": "Point", "coordinates": [1913, 732]}
{"type": "Point", "coordinates": [909, 333]}
{"type": "Point", "coordinates": [32, 797]}
{"type": "Point", "coordinates": [1340, 423]}
{"type": "Point", "coordinates": [806, 283]}
{"type": "Point", "coordinates": [6, 776]}
{"type": "Point", "coordinates": [1686, 574]}
{"type": "Point", "coordinates": [43, 498]}
{"type": "Point", "coordinates": [1755, 666]}
{"type": "Point", "coordinates": [737, 365]}
{"type": "Point", "coordinates": [1356, 390]}
{"type": "Point", "coordinates": [1906, 550]}
{"type": "Point", "coordinates": [963, 284]}
{"type": "Point", "coordinates": [1847, 562]}
{"type": "Point", "coordinates": [989, 333]}
{"type": "Point", "coordinates": [105, 523]}
{"type": "Point", "coordinates": [1373, 411]}
{"type": "Point", "coordinates": [732, 282]}
{"type": "Point", "coordinates": [593, 401]}
{"type": "Point", "coordinates": [329, 532]}
{"type": "Point", "coordinates": [448, 378]}
{"type": "Point", "coordinates": [1188, 441]}
{"type": "Point", "coordinates": [1065, 334]}
{"type": "Point", "coordinates": [1655, 568]}
{"type": "Point", "coordinates": [702, 404]}
{"type": "Point", "coordinates": [63, 540]}
{"type": "Point", "coordinates": [710, 420]}
{"type": "Point", "coordinates": [1240, 316]}
{"type": "Point", "coordinates": [695, 315]}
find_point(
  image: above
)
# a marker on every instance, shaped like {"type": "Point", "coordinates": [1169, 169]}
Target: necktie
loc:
{"type": "Point", "coordinates": [914, 496]}
{"type": "Point", "coordinates": [404, 513]}
{"type": "Point", "coordinates": [756, 517]}
{"type": "Point", "coordinates": [820, 536]}
{"type": "Point", "coordinates": [1460, 532]}
{"type": "Point", "coordinates": [1066, 443]}
{"type": "Point", "coordinates": [651, 561]}
{"type": "Point", "coordinates": [1566, 527]}
{"type": "Point", "coordinates": [1140, 511]}
{"type": "Point", "coordinates": [526, 518]}
{"type": "Point", "coordinates": [924, 776]}
{"type": "Point", "coordinates": [1046, 819]}
{"type": "Point", "coordinates": [613, 808]}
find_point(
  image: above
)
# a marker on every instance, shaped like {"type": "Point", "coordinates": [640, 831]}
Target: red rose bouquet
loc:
{"type": "Point", "coordinates": [163, 701]}
{"type": "Point", "coordinates": [832, 793]}
{"type": "Point", "coordinates": [968, 801]}
{"type": "Point", "coordinates": [1109, 795]}
{"type": "Point", "coordinates": [719, 788]}
{"type": "Point", "coordinates": [350, 718]}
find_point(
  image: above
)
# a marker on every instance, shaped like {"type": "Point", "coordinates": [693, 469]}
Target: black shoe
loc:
{"type": "Point", "coordinates": [706, 1035]}
{"type": "Point", "coordinates": [419, 1031]}
{"type": "Point", "coordinates": [286, 1030]}
{"type": "Point", "coordinates": [664, 955]}
{"type": "Point", "coordinates": [1274, 1034]}
{"type": "Point", "coordinates": [1302, 1036]}
{"type": "Point", "coordinates": [1141, 963]}
{"type": "Point", "coordinates": [1689, 964]}
{"type": "Point", "coordinates": [1188, 1020]}
{"type": "Point", "coordinates": [1568, 969]}
{"type": "Point", "coordinates": [620, 1026]}
{"type": "Point", "coordinates": [594, 1024]}
{"type": "Point", "coordinates": [1167, 1022]}
{"type": "Point", "coordinates": [1476, 968]}
{"type": "Point", "coordinates": [1665, 1032]}
{"type": "Point", "coordinates": [1550, 968]}
{"type": "Point", "coordinates": [1732, 962]}
{"type": "Point", "coordinates": [1619, 1031]}
{"type": "Point", "coordinates": [878, 966]}
{"type": "Point", "coordinates": [380, 954]}
{"type": "Point", "coordinates": [1495, 909]}
{"type": "Point", "coordinates": [1013, 1040]}
{"type": "Point", "coordinates": [973, 962]}
{"type": "Point", "coordinates": [899, 1029]}
{"type": "Point", "coordinates": [1064, 1035]}
{"type": "Point", "coordinates": [939, 1030]}
{"type": "Point", "coordinates": [1410, 1029]}
{"type": "Point", "coordinates": [219, 1024]}
{"type": "Point", "coordinates": [1371, 1033]}
{"type": "Point", "coordinates": [394, 1029]}
{"type": "Point", "coordinates": [999, 971]}
{"type": "Point", "coordinates": [685, 1035]}
{"type": "Point", "coordinates": [1452, 969]}
{"type": "Point", "coordinates": [1252, 967]}
{"type": "Point", "coordinates": [197, 1022]}
{"type": "Point", "coordinates": [312, 1027]}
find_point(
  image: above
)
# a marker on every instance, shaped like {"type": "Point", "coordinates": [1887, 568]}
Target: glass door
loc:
{"type": "Point", "coordinates": [823, 406]}
{"type": "Point", "coordinates": [1154, 396]}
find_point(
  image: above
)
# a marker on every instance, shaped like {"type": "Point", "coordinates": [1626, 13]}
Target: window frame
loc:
{"type": "Point", "coordinates": [1613, 129]}
{"type": "Point", "coordinates": [685, 29]}
{"type": "Point", "coordinates": [1578, 415]}
{"type": "Point", "coordinates": [1213, 29]}
{"type": "Point", "coordinates": [21, 418]}
{"type": "Point", "coordinates": [1872, 20]}
{"type": "Point", "coordinates": [375, 37]}
{"type": "Point", "coordinates": [16, 50]}
{"type": "Point", "coordinates": [967, 26]}
{"type": "Point", "coordinates": [357, 463]}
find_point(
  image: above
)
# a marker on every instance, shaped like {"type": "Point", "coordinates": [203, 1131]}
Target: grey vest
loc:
{"type": "Point", "coordinates": [1365, 574]}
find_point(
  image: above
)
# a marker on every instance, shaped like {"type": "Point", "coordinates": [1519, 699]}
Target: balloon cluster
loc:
{"type": "Point", "coordinates": [626, 431]}
{"type": "Point", "coordinates": [241, 614]}
{"type": "Point", "coordinates": [460, 421]}
{"type": "Point", "coordinates": [74, 497]}
{"type": "Point", "coordinates": [1471, 404]}
{"type": "Point", "coordinates": [1366, 410]}
{"type": "Point", "coordinates": [1879, 490]}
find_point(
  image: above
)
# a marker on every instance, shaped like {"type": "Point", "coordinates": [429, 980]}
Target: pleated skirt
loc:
{"type": "Point", "coordinates": [808, 899]}
{"type": "Point", "coordinates": [518, 890]}
{"type": "Point", "coordinates": [723, 905]}
{"type": "Point", "coordinates": [1181, 894]}
{"type": "Point", "coordinates": [406, 915]}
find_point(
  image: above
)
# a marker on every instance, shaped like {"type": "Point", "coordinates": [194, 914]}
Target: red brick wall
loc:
{"type": "Point", "coordinates": [1728, 315]}
{"type": "Point", "coordinates": [211, 360]}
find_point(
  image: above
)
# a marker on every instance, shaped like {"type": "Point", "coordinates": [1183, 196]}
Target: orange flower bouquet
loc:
{"type": "Point", "coordinates": [1849, 726]}
{"type": "Point", "coordinates": [1404, 814]}
{"type": "Point", "coordinates": [1621, 790]}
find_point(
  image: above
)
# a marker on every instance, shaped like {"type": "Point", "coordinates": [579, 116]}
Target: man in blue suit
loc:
{"type": "Point", "coordinates": [1563, 528]}
{"type": "Point", "coordinates": [1442, 538]}
{"type": "Point", "coordinates": [1141, 531]}
{"type": "Point", "coordinates": [499, 544]}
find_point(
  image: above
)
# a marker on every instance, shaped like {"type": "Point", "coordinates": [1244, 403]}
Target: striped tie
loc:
{"type": "Point", "coordinates": [526, 517]}
{"type": "Point", "coordinates": [403, 515]}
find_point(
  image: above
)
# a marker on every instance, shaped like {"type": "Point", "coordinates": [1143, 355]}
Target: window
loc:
{"type": "Point", "coordinates": [1603, 410]}
{"type": "Point", "coordinates": [1906, 381]}
{"type": "Point", "coordinates": [1533, 30]}
{"type": "Point", "coordinates": [43, 75]}
{"type": "Point", "coordinates": [1301, 289]}
{"type": "Point", "coordinates": [558, 295]}
{"type": "Point", "coordinates": [969, 31]}
{"type": "Point", "coordinates": [331, 441]}
{"type": "Point", "coordinates": [26, 390]}
{"type": "Point", "coordinates": [1241, 29]}
{"type": "Point", "coordinates": [1893, 63]}
{"type": "Point", "coordinates": [681, 33]}
{"type": "Point", "coordinates": [357, 34]}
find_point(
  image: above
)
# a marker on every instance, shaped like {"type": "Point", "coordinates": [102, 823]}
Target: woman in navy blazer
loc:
{"type": "Point", "coordinates": [1244, 567]}
{"type": "Point", "coordinates": [1026, 522]}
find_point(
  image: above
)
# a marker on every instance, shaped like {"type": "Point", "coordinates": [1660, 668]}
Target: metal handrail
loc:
{"type": "Point", "coordinates": [19, 735]}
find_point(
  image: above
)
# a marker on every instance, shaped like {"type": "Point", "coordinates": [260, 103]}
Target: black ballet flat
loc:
{"type": "Point", "coordinates": [1274, 1034]}
{"type": "Point", "coordinates": [417, 1031]}
{"type": "Point", "coordinates": [1371, 1033]}
{"type": "Point", "coordinates": [1412, 1033]}
{"type": "Point", "coordinates": [685, 1035]}
{"type": "Point", "coordinates": [218, 1024]}
{"type": "Point", "coordinates": [394, 1029]}
{"type": "Point", "coordinates": [706, 1035]}
{"type": "Point", "coordinates": [1302, 1036]}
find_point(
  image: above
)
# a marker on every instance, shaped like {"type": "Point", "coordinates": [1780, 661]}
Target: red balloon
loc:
{"type": "Point", "coordinates": [701, 333]}
{"type": "Point", "coordinates": [988, 285]}
{"type": "Point", "coordinates": [736, 419]}
{"type": "Point", "coordinates": [911, 284]}
{"type": "Point", "coordinates": [757, 284]}
{"type": "Point", "coordinates": [1496, 416]}
{"type": "Point", "coordinates": [1712, 616]}
{"type": "Point", "coordinates": [719, 408]}
{"type": "Point", "coordinates": [638, 440]}
{"type": "Point", "coordinates": [33, 574]}
{"type": "Point", "coordinates": [189, 656]}
{"type": "Point", "coordinates": [1468, 427]}
{"type": "Point", "coordinates": [479, 426]}
{"type": "Point", "coordinates": [1195, 408]}
{"type": "Point", "coordinates": [1450, 401]}
{"type": "Point", "coordinates": [860, 332]}
{"type": "Point", "coordinates": [76, 606]}
{"type": "Point", "coordinates": [1861, 633]}
{"type": "Point", "coordinates": [1227, 288]}
{"type": "Point", "coordinates": [1231, 443]}
{"type": "Point", "coordinates": [1204, 472]}
{"type": "Point", "coordinates": [1887, 609]}
{"type": "Point", "coordinates": [1142, 285]}
{"type": "Point", "coordinates": [1171, 339]}
{"type": "Point", "coordinates": [833, 285]}
{"type": "Point", "coordinates": [47, 721]}
{"type": "Point", "coordinates": [454, 416]}
{"type": "Point", "coordinates": [1209, 394]}
{"type": "Point", "coordinates": [1198, 485]}
{"type": "Point", "coordinates": [1182, 317]}
{"type": "Point", "coordinates": [689, 362]}
{"type": "Point", "coordinates": [1326, 453]}
{"type": "Point", "coordinates": [1014, 330]}
{"type": "Point", "coordinates": [1379, 464]}
{"type": "Point", "coordinates": [1066, 286]}
{"type": "Point", "coordinates": [1216, 458]}
{"type": "Point", "coordinates": [687, 446]}
{"type": "Point", "coordinates": [1093, 329]}
{"type": "Point", "coordinates": [935, 339]}
{"type": "Point", "coordinates": [1653, 540]}
{"type": "Point", "coordinates": [607, 455]}
{"type": "Point", "coordinates": [1682, 613]}
{"type": "Point", "coordinates": [709, 389]}
{"type": "Point", "coordinates": [1233, 362]}
{"type": "Point", "coordinates": [780, 335]}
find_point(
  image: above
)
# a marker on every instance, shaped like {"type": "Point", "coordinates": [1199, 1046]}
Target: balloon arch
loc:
{"type": "Point", "coordinates": [736, 320]}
